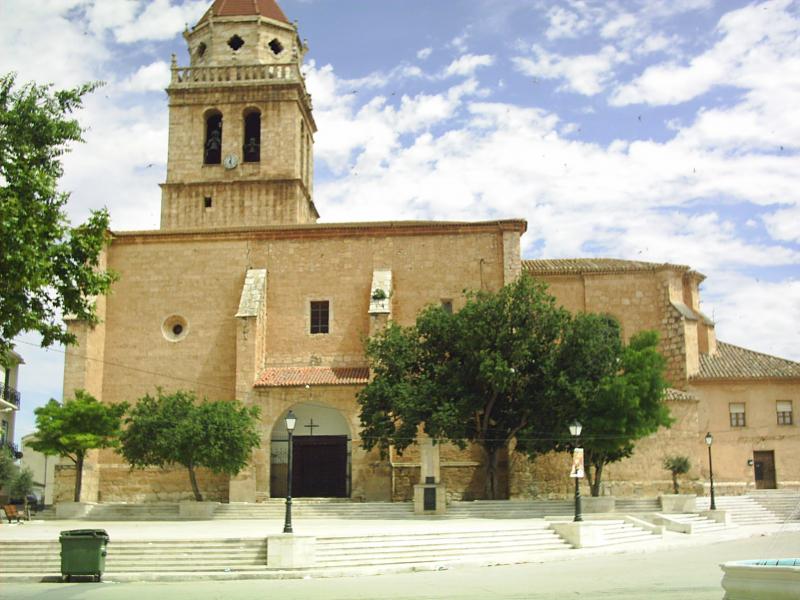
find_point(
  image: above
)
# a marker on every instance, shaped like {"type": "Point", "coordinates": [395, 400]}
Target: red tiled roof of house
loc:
{"type": "Point", "coordinates": [297, 376]}
{"type": "Point", "coordinates": [733, 362]}
{"type": "Point", "coordinates": [241, 8]}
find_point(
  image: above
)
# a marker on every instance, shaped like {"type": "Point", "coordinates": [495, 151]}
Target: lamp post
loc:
{"type": "Point", "coordinates": [709, 441]}
{"type": "Point", "coordinates": [291, 421]}
{"type": "Point", "coordinates": [575, 430]}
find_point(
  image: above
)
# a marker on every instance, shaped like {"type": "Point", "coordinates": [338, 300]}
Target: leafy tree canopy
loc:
{"type": "Point", "coordinates": [8, 470]}
{"type": "Point", "coordinates": [615, 391]}
{"type": "Point", "coordinates": [77, 426]}
{"type": "Point", "coordinates": [480, 375]}
{"type": "Point", "coordinates": [49, 268]}
{"type": "Point", "coordinates": [174, 429]}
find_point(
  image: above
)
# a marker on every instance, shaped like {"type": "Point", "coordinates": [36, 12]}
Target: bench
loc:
{"type": "Point", "coordinates": [12, 513]}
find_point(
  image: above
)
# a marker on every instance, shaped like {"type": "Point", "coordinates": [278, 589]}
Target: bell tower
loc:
{"type": "Point", "coordinates": [240, 123]}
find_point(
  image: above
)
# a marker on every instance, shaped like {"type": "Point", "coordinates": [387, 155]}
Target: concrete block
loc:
{"type": "Point", "coordinates": [720, 516]}
{"type": "Point", "coordinates": [748, 580]}
{"type": "Point", "coordinates": [289, 551]}
{"type": "Point", "coordinates": [73, 510]}
{"type": "Point", "coordinates": [582, 534]}
{"type": "Point", "coordinates": [599, 504]}
{"type": "Point", "coordinates": [678, 503]}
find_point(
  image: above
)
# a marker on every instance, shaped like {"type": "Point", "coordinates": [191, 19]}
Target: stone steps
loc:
{"type": "Point", "coordinates": [621, 532]}
{"type": "Point", "coordinates": [303, 509]}
{"type": "Point", "coordinates": [785, 504]}
{"type": "Point", "coordinates": [436, 547]}
{"type": "Point", "coordinates": [695, 523]}
{"type": "Point", "coordinates": [745, 510]}
{"type": "Point", "coordinates": [134, 512]}
{"type": "Point", "coordinates": [44, 558]}
{"type": "Point", "coordinates": [505, 509]}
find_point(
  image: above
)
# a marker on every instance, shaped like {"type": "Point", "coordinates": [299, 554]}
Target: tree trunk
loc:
{"type": "Point", "coordinates": [197, 496]}
{"type": "Point", "coordinates": [675, 482]}
{"type": "Point", "coordinates": [78, 477]}
{"type": "Point", "coordinates": [490, 487]}
{"type": "Point", "coordinates": [595, 484]}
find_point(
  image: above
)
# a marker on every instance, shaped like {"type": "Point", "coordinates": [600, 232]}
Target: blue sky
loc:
{"type": "Point", "coordinates": [654, 130]}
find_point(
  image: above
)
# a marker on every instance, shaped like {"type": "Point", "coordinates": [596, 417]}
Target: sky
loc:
{"type": "Point", "coordinates": [654, 130]}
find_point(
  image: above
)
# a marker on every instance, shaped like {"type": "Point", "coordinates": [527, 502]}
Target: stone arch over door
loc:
{"type": "Point", "coordinates": [321, 454]}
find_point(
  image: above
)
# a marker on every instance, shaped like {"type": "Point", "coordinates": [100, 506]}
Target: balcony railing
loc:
{"type": "Point", "coordinates": [9, 395]}
{"type": "Point", "coordinates": [13, 448]}
{"type": "Point", "coordinates": [184, 76]}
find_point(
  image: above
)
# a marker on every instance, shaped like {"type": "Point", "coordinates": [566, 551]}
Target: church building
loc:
{"type": "Point", "coordinates": [242, 294]}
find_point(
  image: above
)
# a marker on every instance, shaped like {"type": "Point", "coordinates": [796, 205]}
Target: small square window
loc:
{"type": "Point", "coordinates": [737, 414]}
{"type": "Point", "coordinates": [320, 316]}
{"type": "Point", "coordinates": [208, 202]}
{"type": "Point", "coordinates": [784, 412]}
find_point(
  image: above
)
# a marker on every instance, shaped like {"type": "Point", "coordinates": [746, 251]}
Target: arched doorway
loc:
{"type": "Point", "coordinates": [320, 454]}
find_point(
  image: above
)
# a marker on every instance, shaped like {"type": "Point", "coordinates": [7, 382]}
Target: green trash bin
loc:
{"type": "Point", "coordinates": [83, 553]}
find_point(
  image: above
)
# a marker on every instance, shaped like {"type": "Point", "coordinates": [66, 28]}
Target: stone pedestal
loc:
{"type": "Point", "coordinates": [73, 510]}
{"type": "Point", "coordinates": [430, 499]}
{"type": "Point", "coordinates": [582, 534]}
{"type": "Point", "coordinates": [598, 504]}
{"type": "Point", "coordinates": [429, 494]}
{"type": "Point", "coordinates": [678, 503]}
{"type": "Point", "coordinates": [720, 516]}
{"type": "Point", "coordinates": [289, 551]}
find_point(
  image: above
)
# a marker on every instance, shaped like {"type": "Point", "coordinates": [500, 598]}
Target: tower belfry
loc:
{"type": "Point", "coordinates": [240, 123]}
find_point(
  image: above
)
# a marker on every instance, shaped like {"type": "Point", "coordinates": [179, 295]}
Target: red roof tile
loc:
{"type": "Point", "coordinates": [240, 8]}
{"type": "Point", "coordinates": [296, 376]}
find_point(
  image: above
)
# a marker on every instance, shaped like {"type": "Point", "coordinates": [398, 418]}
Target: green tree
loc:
{"type": "Point", "coordinates": [480, 375]}
{"type": "Point", "coordinates": [174, 429]}
{"type": "Point", "coordinates": [49, 268]}
{"type": "Point", "coordinates": [677, 465]}
{"type": "Point", "coordinates": [616, 391]}
{"type": "Point", "coordinates": [77, 426]}
{"type": "Point", "coordinates": [22, 485]}
{"type": "Point", "coordinates": [8, 469]}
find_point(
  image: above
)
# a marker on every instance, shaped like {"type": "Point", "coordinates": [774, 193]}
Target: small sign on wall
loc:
{"type": "Point", "coordinates": [577, 464]}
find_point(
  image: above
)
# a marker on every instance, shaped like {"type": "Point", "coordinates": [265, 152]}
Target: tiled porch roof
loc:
{"type": "Point", "coordinates": [733, 362]}
{"type": "Point", "coordinates": [298, 376]}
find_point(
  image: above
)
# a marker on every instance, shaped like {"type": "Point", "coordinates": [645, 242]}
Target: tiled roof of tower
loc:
{"type": "Point", "coordinates": [242, 8]}
{"type": "Point", "coordinates": [733, 362]}
{"type": "Point", "coordinates": [297, 376]}
{"type": "Point", "coordinates": [563, 266]}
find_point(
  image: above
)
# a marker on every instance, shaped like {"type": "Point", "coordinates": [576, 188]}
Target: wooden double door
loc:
{"type": "Point", "coordinates": [319, 466]}
{"type": "Point", "coordinates": [764, 467]}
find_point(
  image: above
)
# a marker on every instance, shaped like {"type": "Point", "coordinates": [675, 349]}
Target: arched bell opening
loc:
{"type": "Point", "coordinates": [321, 454]}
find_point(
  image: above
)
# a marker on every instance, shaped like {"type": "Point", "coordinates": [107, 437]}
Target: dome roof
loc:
{"type": "Point", "coordinates": [240, 8]}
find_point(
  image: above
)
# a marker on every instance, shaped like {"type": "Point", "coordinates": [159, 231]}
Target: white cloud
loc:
{"type": "Point", "coordinates": [564, 23]}
{"type": "Point", "coordinates": [465, 66]}
{"type": "Point", "coordinates": [160, 20]}
{"type": "Point", "coordinates": [617, 25]}
{"type": "Point", "coordinates": [784, 224]}
{"type": "Point", "coordinates": [425, 53]}
{"type": "Point", "coordinates": [149, 78]}
{"type": "Point", "coordinates": [754, 40]}
{"type": "Point", "coordinates": [586, 74]}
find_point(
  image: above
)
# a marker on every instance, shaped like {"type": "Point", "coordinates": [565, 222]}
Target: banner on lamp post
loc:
{"type": "Point", "coordinates": [577, 464]}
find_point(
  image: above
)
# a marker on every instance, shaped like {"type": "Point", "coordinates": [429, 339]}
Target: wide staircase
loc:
{"type": "Point", "coordinates": [42, 558]}
{"type": "Point", "coordinates": [785, 504]}
{"type": "Point", "coordinates": [505, 509]}
{"type": "Point", "coordinates": [134, 512]}
{"type": "Point", "coordinates": [501, 545]}
{"type": "Point", "coordinates": [630, 506]}
{"type": "Point", "coordinates": [322, 508]}
{"type": "Point", "coordinates": [745, 510]}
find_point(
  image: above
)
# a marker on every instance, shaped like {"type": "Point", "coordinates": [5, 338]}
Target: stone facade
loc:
{"type": "Point", "coordinates": [222, 299]}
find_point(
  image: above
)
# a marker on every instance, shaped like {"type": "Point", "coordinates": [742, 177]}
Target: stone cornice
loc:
{"type": "Point", "coordinates": [322, 231]}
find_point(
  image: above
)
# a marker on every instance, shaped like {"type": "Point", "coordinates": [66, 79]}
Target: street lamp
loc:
{"type": "Point", "coordinates": [291, 421]}
{"type": "Point", "coordinates": [709, 441]}
{"type": "Point", "coordinates": [575, 430]}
